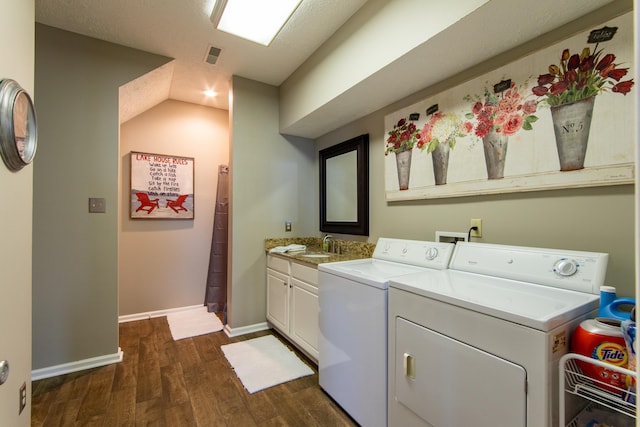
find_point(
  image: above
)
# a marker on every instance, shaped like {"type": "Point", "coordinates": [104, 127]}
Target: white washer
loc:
{"type": "Point", "coordinates": [352, 345]}
{"type": "Point", "coordinates": [479, 343]}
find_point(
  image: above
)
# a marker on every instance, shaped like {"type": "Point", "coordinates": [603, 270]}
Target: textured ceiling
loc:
{"type": "Point", "coordinates": [181, 29]}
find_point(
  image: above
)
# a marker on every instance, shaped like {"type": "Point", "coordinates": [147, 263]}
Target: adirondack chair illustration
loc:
{"type": "Point", "coordinates": [176, 205]}
{"type": "Point", "coordinates": [146, 204]}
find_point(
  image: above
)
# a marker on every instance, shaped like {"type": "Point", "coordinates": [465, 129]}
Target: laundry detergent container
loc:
{"type": "Point", "coordinates": [601, 339]}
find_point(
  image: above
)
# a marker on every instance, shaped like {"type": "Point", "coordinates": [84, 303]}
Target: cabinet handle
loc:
{"type": "Point", "coordinates": [409, 364]}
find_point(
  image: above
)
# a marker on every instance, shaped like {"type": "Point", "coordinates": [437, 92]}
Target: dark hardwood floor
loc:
{"type": "Point", "coordinates": [162, 382]}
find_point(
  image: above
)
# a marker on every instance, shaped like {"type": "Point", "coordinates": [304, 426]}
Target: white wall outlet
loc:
{"type": "Point", "coordinates": [476, 223]}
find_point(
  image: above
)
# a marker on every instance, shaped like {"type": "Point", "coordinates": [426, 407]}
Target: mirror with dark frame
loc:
{"type": "Point", "coordinates": [344, 187]}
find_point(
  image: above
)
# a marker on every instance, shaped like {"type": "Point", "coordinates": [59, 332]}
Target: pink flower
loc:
{"type": "Point", "coordinates": [504, 112]}
{"type": "Point", "coordinates": [529, 107]}
{"type": "Point", "coordinates": [513, 124]}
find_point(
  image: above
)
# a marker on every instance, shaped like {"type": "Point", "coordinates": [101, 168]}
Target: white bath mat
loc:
{"type": "Point", "coordinates": [264, 362]}
{"type": "Point", "coordinates": [193, 322]}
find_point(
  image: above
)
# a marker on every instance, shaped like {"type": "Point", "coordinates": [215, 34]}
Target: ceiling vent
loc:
{"type": "Point", "coordinates": [212, 55]}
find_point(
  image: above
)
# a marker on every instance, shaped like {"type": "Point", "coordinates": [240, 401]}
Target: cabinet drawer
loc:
{"type": "Point", "coordinates": [278, 264]}
{"type": "Point", "coordinates": [304, 273]}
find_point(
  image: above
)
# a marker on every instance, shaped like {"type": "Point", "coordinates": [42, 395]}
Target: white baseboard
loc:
{"type": "Point", "coordinates": [236, 332]}
{"type": "Point", "coordinates": [80, 365]}
{"type": "Point", "coordinates": [231, 332]}
{"type": "Point", "coordinates": [157, 313]}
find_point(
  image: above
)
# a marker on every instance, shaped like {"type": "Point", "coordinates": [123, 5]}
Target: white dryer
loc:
{"type": "Point", "coordinates": [479, 343]}
{"type": "Point", "coordinates": [352, 345]}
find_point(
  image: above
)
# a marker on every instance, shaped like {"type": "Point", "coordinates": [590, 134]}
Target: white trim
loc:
{"type": "Point", "coordinates": [80, 365]}
{"type": "Point", "coordinates": [157, 313]}
{"type": "Point", "coordinates": [236, 332]}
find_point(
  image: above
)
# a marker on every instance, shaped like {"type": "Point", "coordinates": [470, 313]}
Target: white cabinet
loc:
{"type": "Point", "coordinates": [278, 299]}
{"type": "Point", "coordinates": [292, 302]}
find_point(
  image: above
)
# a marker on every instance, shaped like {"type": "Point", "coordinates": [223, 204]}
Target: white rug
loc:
{"type": "Point", "coordinates": [264, 362]}
{"type": "Point", "coordinates": [193, 322]}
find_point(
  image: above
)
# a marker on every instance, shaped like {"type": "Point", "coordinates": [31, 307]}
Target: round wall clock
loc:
{"type": "Point", "coordinates": [18, 130]}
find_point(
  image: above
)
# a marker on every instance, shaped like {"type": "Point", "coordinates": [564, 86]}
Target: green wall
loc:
{"type": "Point", "coordinates": [75, 255]}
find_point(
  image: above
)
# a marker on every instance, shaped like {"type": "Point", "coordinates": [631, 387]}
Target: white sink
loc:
{"type": "Point", "coordinates": [315, 255]}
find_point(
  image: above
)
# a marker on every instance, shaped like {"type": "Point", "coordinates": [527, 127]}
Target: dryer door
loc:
{"type": "Point", "coordinates": [448, 383]}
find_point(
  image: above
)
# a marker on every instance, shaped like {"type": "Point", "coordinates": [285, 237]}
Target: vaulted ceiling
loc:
{"type": "Point", "coordinates": [182, 29]}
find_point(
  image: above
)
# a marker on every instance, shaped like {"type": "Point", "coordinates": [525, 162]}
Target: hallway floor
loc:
{"type": "Point", "coordinates": [162, 382]}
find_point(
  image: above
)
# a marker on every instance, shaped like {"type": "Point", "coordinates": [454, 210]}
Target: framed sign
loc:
{"type": "Point", "coordinates": [161, 186]}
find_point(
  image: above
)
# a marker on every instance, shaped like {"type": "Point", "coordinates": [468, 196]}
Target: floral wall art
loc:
{"type": "Point", "coordinates": [555, 119]}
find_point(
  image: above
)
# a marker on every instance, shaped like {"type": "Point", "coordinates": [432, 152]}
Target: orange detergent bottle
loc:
{"type": "Point", "coordinates": [601, 339]}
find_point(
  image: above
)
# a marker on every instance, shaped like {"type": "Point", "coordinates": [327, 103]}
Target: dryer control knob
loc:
{"type": "Point", "coordinates": [431, 254]}
{"type": "Point", "coordinates": [565, 267]}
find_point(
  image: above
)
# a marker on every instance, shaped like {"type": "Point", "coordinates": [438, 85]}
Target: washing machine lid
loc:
{"type": "Point", "coordinates": [536, 306]}
{"type": "Point", "coordinates": [369, 271]}
{"type": "Point", "coordinates": [391, 258]}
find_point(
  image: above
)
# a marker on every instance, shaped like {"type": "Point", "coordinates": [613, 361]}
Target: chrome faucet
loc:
{"type": "Point", "coordinates": [325, 242]}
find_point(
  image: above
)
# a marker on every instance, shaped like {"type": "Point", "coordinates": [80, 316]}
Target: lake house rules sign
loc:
{"type": "Point", "coordinates": [161, 186]}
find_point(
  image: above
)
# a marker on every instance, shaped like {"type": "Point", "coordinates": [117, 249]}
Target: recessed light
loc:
{"type": "Point", "coordinates": [210, 92]}
{"type": "Point", "coordinates": [255, 20]}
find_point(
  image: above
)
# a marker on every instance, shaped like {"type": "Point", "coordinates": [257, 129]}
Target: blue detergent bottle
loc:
{"type": "Point", "coordinates": [612, 307]}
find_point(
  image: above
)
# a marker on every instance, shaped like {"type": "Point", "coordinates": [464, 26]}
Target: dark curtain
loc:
{"type": "Point", "coordinates": [216, 292]}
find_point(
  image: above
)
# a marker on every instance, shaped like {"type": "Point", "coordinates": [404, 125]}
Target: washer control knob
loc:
{"type": "Point", "coordinates": [431, 254]}
{"type": "Point", "coordinates": [565, 267]}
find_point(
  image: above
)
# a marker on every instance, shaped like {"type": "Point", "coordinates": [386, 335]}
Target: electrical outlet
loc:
{"type": "Point", "coordinates": [476, 223]}
{"type": "Point", "coordinates": [287, 226]}
{"type": "Point", "coordinates": [23, 397]}
{"type": "Point", "coordinates": [97, 205]}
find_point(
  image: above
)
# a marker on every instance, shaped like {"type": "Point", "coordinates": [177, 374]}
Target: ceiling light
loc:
{"type": "Point", "coordinates": [210, 92]}
{"type": "Point", "coordinates": [255, 20]}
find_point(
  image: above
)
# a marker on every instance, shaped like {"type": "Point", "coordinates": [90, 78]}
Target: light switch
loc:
{"type": "Point", "coordinates": [97, 205]}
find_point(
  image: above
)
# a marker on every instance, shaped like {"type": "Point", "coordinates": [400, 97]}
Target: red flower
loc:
{"type": "Point", "coordinates": [617, 74]}
{"type": "Point", "coordinates": [581, 76]}
{"type": "Point", "coordinates": [571, 76]}
{"type": "Point", "coordinates": [574, 62]}
{"type": "Point", "coordinates": [605, 61]}
{"type": "Point", "coordinates": [545, 79]}
{"type": "Point", "coordinates": [482, 128]}
{"type": "Point", "coordinates": [623, 87]}
{"type": "Point", "coordinates": [557, 88]}
{"type": "Point", "coordinates": [587, 64]}
{"type": "Point", "coordinates": [540, 90]}
{"type": "Point", "coordinates": [477, 107]}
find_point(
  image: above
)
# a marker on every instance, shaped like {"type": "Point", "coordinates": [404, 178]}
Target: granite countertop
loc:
{"type": "Point", "coordinates": [349, 250]}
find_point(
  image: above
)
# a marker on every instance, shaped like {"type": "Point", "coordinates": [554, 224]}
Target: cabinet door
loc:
{"type": "Point", "coordinates": [449, 383]}
{"type": "Point", "coordinates": [278, 300]}
{"type": "Point", "coordinates": [304, 316]}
